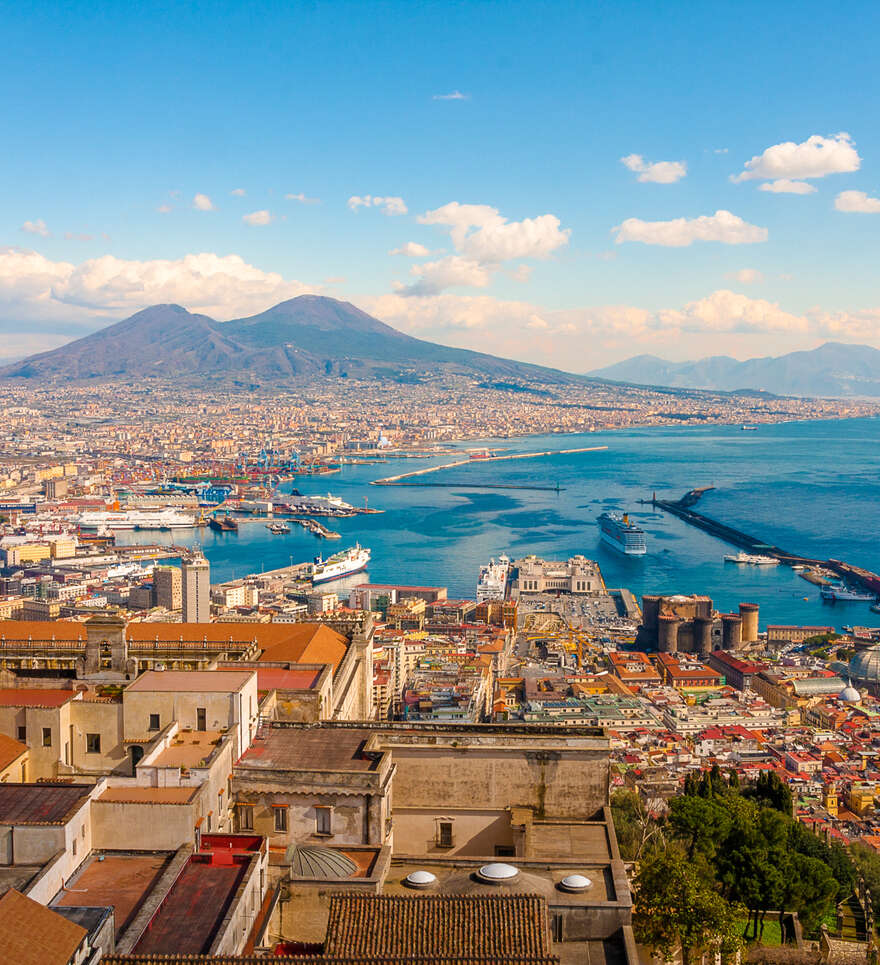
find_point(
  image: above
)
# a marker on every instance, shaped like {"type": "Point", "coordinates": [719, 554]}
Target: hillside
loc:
{"type": "Point", "coordinates": [831, 370]}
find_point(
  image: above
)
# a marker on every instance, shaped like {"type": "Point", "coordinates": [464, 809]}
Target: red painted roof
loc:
{"type": "Point", "coordinates": [34, 697]}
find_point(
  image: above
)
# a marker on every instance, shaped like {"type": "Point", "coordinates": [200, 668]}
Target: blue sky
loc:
{"type": "Point", "coordinates": [117, 119]}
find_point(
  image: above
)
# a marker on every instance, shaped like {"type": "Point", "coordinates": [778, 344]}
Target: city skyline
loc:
{"type": "Point", "coordinates": [675, 182]}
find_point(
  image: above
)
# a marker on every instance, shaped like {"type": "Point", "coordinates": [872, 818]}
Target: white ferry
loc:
{"type": "Point", "coordinates": [136, 519]}
{"type": "Point", "coordinates": [340, 564]}
{"type": "Point", "coordinates": [839, 593]}
{"type": "Point", "coordinates": [752, 559]}
{"type": "Point", "coordinates": [492, 584]}
{"type": "Point", "coordinates": [621, 534]}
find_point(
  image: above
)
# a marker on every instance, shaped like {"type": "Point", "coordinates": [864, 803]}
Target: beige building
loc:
{"type": "Point", "coordinates": [576, 575]}
{"type": "Point", "coordinates": [196, 593]}
{"type": "Point", "coordinates": [167, 586]}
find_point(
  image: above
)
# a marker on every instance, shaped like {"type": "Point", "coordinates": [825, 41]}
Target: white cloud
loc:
{"type": "Point", "coordinates": [258, 218]}
{"type": "Point", "coordinates": [658, 172]}
{"type": "Point", "coordinates": [164, 209]}
{"type": "Point", "coordinates": [77, 236]}
{"type": "Point", "coordinates": [787, 186]}
{"type": "Point", "coordinates": [37, 227]}
{"type": "Point", "coordinates": [857, 202]}
{"type": "Point", "coordinates": [479, 232]}
{"type": "Point", "coordinates": [456, 95]}
{"type": "Point", "coordinates": [723, 227]}
{"type": "Point", "coordinates": [33, 287]}
{"type": "Point", "coordinates": [813, 158]}
{"type": "Point", "coordinates": [747, 276]}
{"type": "Point", "coordinates": [721, 150]}
{"type": "Point", "coordinates": [389, 205]}
{"type": "Point", "coordinates": [727, 311]}
{"type": "Point", "coordinates": [450, 272]}
{"type": "Point", "coordinates": [201, 202]}
{"type": "Point", "coordinates": [412, 249]}
{"type": "Point", "coordinates": [238, 192]}
{"type": "Point", "coordinates": [521, 273]}
{"type": "Point", "coordinates": [301, 198]}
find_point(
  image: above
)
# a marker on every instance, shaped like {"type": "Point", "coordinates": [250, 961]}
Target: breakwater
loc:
{"type": "Point", "coordinates": [752, 544]}
{"type": "Point", "coordinates": [400, 480]}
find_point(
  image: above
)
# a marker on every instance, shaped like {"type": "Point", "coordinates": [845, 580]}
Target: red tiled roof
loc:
{"type": "Point", "coordinates": [40, 803]}
{"type": "Point", "coordinates": [34, 697]}
{"type": "Point", "coordinates": [31, 934]}
{"type": "Point", "coordinates": [473, 926]}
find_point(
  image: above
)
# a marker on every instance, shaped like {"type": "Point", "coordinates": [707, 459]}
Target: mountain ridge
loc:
{"type": "Point", "coordinates": [305, 337]}
{"type": "Point", "coordinates": [831, 370]}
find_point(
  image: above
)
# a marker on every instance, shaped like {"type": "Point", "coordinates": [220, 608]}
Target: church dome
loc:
{"type": "Point", "coordinates": [865, 667]}
{"type": "Point", "coordinates": [849, 695]}
{"type": "Point", "coordinates": [324, 864]}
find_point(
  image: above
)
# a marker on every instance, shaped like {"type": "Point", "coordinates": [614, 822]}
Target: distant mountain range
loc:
{"type": "Point", "coordinates": [300, 339]}
{"type": "Point", "coordinates": [832, 370]}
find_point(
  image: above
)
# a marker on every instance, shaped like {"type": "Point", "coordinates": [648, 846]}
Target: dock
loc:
{"type": "Point", "coordinates": [751, 544]}
{"type": "Point", "coordinates": [400, 480]}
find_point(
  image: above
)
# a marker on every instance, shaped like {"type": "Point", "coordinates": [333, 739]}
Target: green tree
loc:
{"type": "Point", "coordinates": [636, 828]}
{"type": "Point", "coordinates": [700, 823]}
{"type": "Point", "coordinates": [675, 905]}
{"type": "Point", "coordinates": [769, 791]}
{"type": "Point", "coordinates": [810, 890]}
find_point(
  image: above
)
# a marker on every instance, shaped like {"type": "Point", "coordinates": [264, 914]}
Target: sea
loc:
{"type": "Point", "coordinates": [812, 488]}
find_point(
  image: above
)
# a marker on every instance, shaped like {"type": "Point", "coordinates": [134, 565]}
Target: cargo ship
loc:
{"type": "Point", "coordinates": [492, 584]}
{"type": "Point", "coordinates": [223, 524]}
{"type": "Point", "coordinates": [621, 534]}
{"type": "Point", "coordinates": [340, 564]}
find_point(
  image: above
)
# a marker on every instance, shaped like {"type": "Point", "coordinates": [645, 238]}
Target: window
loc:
{"type": "Point", "coordinates": [201, 718]}
{"type": "Point", "coordinates": [322, 821]}
{"type": "Point", "coordinates": [280, 819]}
{"type": "Point", "coordinates": [245, 817]}
{"type": "Point", "coordinates": [154, 721]}
{"type": "Point", "coordinates": [209, 822]}
{"type": "Point", "coordinates": [505, 851]}
{"type": "Point", "coordinates": [74, 847]}
{"type": "Point", "coordinates": [93, 743]}
{"type": "Point", "coordinates": [444, 834]}
{"type": "Point", "coordinates": [47, 737]}
{"type": "Point", "coordinates": [22, 734]}
{"type": "Point", "coordinates": [556, 926]}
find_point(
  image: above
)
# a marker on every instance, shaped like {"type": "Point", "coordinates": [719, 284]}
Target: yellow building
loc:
{"type": "Point", "coordinates": [27, 553]}
{"type": "Point", "coordinates": [860, 798]}
{"type": "Point", "coordinates": [829, 800]}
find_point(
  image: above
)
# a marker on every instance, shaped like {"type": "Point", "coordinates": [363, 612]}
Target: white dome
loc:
{"type": "Point", "coordinates": [576, 883]}
{"type": "Point", "coordinates": [498, 871]}
{"type": "Point", "coordinates": [849, 695]}
{"type": "Point", "coordinates": [420, 879]}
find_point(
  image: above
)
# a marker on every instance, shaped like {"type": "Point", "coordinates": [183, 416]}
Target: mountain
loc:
{"type": "Point", "coordinates": [306, 337]}
{"type": "Point", "coordinates": [834, 369]}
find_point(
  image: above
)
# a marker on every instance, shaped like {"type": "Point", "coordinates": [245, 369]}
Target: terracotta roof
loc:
{"type": "Point", "coordinates": [41, 803]}
{"type": "Point", "coordinates": [265, 634]}
{"type": "Point", "coordinates": [491, 928]}
{"type": "Point", "coordinates": [68, 630]}
{"type": "Point", "coordinates": [31, 934]}
{"type": "Point", "coordinates": [34, 697]}
{"type": "Point", "coordinates": [10, 751]}
{"type": "Point", "coordinates": [324, 960]}
{"type": "Point", "coordinates": [308, 643]}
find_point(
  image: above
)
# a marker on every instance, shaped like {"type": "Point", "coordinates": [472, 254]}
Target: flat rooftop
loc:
{"type": "Point", "coordinates": [189, 918]}
{"type": "Point", "coordinates": [191, 681]}
{"type": "Point", "coordinates": [41, 803]}
{"type": "Point", "coordinates": [310, 749]}
{"type": "Point", "coordinates": [121, 881]}
{"type": "Point", "coordinates": [149, 795]}
{"type": "Point", "coordinates": [189, 748]}
{"type": "Point", "coordinates": [276, 678]}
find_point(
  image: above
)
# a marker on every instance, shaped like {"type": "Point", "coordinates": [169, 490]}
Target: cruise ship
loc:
{"type": "Point", "coordinates": [340, 564]}
{"type": "Point", "coordinates": [624, 536]}
{"type": "Point", "coordinates": [752, 559]}
{"type": "Point", "coordinates": [136, 519]}
{"type": "Point", "coordinates": [492, 584]}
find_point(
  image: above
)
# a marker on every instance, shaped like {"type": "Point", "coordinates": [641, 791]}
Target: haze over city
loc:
{"type": "Point", "coordinates": [677, 180]}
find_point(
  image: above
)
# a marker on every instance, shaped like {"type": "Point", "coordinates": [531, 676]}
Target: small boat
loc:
{"type": "Point", "coordinates": [277, 529]}
{"type": "Point", "coordinates": [752, 559]}
{"type": "Point", "coordinates": [749, 428]}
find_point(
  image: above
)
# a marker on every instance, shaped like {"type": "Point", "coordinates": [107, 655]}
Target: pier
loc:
{"type": "Point", "coordinates": [681, 509]}
{"type": "Point", "coordinates": [400, 480]}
